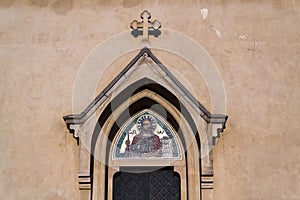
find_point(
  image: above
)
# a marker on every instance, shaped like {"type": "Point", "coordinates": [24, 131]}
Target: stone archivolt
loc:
{"type": "Point", "coordinates": [145, 87]}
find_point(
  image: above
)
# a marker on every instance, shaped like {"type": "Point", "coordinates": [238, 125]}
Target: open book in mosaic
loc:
{"type": "Point", "coordinates": [146, 135]}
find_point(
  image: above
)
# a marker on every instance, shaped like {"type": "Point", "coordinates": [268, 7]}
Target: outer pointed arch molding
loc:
{"type": "Point", "coordinates": [147, 92]}
{"type": "Point", "coordinates": [96, 126]}
{"type": "Point", "coordinates": [145, 55]}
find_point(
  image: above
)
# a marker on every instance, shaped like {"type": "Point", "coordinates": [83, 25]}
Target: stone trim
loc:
{"type": "Point", "coordinates": [207, 181]}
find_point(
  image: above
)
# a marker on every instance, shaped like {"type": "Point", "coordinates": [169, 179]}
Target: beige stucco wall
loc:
{"type": "Point", "coordinates": [255, 45]}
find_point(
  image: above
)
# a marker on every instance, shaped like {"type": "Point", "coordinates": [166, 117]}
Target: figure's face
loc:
{"type": "Point", "coordinates": [146, 124]}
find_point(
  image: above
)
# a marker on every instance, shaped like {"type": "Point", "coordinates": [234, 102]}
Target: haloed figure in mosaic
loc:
{"type": "Point", "coordinates": [146, 143]}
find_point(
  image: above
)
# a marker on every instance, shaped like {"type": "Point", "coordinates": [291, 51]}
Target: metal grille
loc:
{"type": "Point", "coordinates": [162, 184]}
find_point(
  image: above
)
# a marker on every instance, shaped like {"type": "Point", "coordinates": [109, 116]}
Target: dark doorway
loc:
{"type": "Point", "coordinates": [146, 184]}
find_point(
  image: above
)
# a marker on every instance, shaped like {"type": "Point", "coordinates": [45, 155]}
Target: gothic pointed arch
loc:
{"type": "Point", "coordinates": [102, 126]}
{"type": "Point", "coordinates": [109, 130]}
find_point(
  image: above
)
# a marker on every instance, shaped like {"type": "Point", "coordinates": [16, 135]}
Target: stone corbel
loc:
{"type": "Point", "coordinates": [217, 125]}
{"type": "Point", "coordinates": [217, 129]}
{"type": "Point", "coordinates": [74, 129]}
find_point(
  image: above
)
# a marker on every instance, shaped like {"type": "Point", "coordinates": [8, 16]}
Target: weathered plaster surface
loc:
{"type": "Point", "coordinates": [255, 44]}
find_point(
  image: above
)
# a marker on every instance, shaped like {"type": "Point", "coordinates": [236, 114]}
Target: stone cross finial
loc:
{"type": "Point", "coordinates": [145, 24]}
